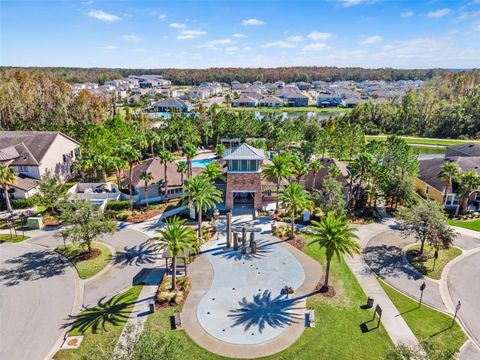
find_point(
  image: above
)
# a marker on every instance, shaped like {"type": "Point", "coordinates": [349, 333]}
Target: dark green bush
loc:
{"type": "Point", "coordinates": [17, 203]}
{"type": "Point", "coordinates": [118, 205]}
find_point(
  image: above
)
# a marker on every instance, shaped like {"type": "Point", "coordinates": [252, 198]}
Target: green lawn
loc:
{"type": "Point", "coordinates": [425, 266]}
{"type": "Point", "coordinates": [14, 239]}
{"type": "Point", "coordinates": [427, 323]}
{"type": "Point", "coordinates": [423, 141]}
{"type": "Point", "coordinates": [467, 224]}
{"type": "Point", "coordinates": [337, 334]}
{"type": "Point", "coordinates": [86, 268]}
{"type": "Point", "coordinates": [101, 327]}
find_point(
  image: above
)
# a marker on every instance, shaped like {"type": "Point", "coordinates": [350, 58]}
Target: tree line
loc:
{"type": "Point", "coordinates": [196, 76]}
{"type": "Point", "coordinates": [446, 108]}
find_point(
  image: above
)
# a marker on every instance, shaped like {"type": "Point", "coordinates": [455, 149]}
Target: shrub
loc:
{"type": "Point", "coordinates": [118, 205]}
{"type": "Point", "coordinates": [17, 203]}
{"type": "Point", "coordinates": [123, 215]}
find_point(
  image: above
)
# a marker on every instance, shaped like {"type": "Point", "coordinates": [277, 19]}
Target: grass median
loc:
{"type": "Point", "coordinates": [101, 327]}
{"type": "Point", "coordinates": [424, 264]}
{"type": "Point", "coordinates": [427, 323]}
{"type": "Point", "coordinates": [87, 265]}
{"type": "Point", "coordinates": [13, 238]}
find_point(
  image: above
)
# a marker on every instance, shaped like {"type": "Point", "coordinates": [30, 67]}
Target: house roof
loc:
{"type": "Point", "coordinates": [429, 169]}
{"type": "Point", "coordinates": [271, 99]}
{"type": "Point", "coordinates": [31, 146]}
{"type": "Point", "coordinates": [307, 179]}
{"type": "Point", "coordinates": [246, 99]}
{"type": "Point", "coordinates": [243, 152]}
{"type": "Point", "coordinates": [25, 183]}
{"type": "Point", "coordinates": [156, 168]}
{"type": "Point", "coordinates": [468, 149]}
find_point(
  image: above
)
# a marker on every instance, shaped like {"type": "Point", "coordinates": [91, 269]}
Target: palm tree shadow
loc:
{"type": "Point", "coordinates": [263, 248]}
{"type": "Point", "coordinates": [143, 254]}
{"type": "Point", "coordinates": [112, 312]}
{"type": "Point", "coordinates": [265, 311]}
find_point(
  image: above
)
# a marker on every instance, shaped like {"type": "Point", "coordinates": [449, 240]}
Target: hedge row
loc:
{"type": "Point", "coordinates": [17, 203]}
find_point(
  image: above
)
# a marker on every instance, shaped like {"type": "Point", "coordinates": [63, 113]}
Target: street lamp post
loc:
{"type": "Point", "coordinates": [459, 305]}
{"type": "Point", "coordinates": [422, 287]}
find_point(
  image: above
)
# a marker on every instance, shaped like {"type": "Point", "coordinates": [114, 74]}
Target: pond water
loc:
{"type": "Point", "coordinates": [296, 114]}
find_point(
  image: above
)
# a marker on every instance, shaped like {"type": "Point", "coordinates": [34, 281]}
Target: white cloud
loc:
{"type": "Point", "coordinates": [407, 14]}
{"type": "Point", "coordinates": [215, 43]}
{"type": "Point", "coordinates": [231, 49]}
{"type": "Point", "coordinates": [140, 49]}
{"type": "Point", "coordinates": [476, 26]}
{"type": "Point", "coordinates": [247, 48]}
{"type": "Point", "coordinates": [239, 35]}
{"type": "Point", "coordinates": [295, 38]}
{"type": "Point", "coordinates": [252, 22]}
{"type": "Point", "coordinates": [349, 3]}
{"type": "Point", "coordinates": [374, 39]}
{"type": "Point", "coordinates": [279, 44]}
{"type": "Point", "coordinates": [111, 47]}
{"type": "Point", "coordinates": [162, 17]}
{"type": "Point", "coordinates": [177, 26]}
{"type": "Point", "coordinates": [316, 47]}
{"type": "Point", "coordinates": [131, 37]}
{"type": "Point", "coordinates": [190, 34]}
{"type": "Point", "coordinates": [439, 13]}
{"type": "Point", "coordinates": [319, 36]}
{"type": "Point", "coordinates": [102, 15]}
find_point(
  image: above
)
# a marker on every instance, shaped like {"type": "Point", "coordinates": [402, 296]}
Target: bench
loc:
{"type": "Point", "coordinates": [177, 320]}
{"type": "Point", "coordinates": [311, 318]}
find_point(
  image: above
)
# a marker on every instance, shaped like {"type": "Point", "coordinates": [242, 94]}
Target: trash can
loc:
{"type": "Point", "coordinates": [369, 302]}
{"type": "Point", "coordinates": [151, 306]}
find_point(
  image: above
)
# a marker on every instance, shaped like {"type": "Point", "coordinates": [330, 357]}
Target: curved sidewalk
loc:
{"type": "Point", "coordinates": [202, 276]}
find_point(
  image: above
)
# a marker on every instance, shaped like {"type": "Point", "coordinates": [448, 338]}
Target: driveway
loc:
{"type": "Point", "coordinates": [37, 292]}
{"type": "Point", "coordinates": [464, 285]}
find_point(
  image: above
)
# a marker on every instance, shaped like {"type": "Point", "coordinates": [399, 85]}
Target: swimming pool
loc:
{"type": "Point", "coordinates": [202, 163]}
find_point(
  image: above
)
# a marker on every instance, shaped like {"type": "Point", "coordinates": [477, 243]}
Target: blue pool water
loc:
{"type": "Point", "coordinates": [202, 163]}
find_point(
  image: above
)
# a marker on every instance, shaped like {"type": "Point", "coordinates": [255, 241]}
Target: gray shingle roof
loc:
{"type": "Point", "coordinates": [429, 169]}
{"type": "Point", "coordinates": [463, 150]}
{"type": "Point", "coordinates": [31, 146]}
{"type": "Point", "coordinates": [243, 152]}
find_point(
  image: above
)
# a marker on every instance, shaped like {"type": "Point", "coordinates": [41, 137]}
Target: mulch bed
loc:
{"type": "Point", "coordinates": [139, 217]}
{"type": "Point", "coordinates": [325, 293]}
{"type": "Point", "coordinates": [88, 255]}
{"type": "Point", "coordinates": [415, 254]}
{"type": "Point", "coordinates": [297, 241]}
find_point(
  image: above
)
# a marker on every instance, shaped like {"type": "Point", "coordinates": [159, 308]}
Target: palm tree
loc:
{"type": "Point", "coordinates": [213, 171]}
{"type": "Point", "coordinates": [467, 183]}
{"type": "Point", "coordinates": [177, 238]}
{"type": "Point", "coordinates": [7, 178]}
{"type": "Point", "coordinates": [131, 156]}
{"type": "Point", "coordinates": [337, 237]}
{"type": "Point", "coordinates": [315, 166]}
{"type": "Point", "coordinates": [278, 170]}
{"type": "Point", "coordinates": [146, 177]}
{"type": "Point", "coordinates": [448, 172]}
{"type": "Point", "coordinates": [182, 168]}
{"type": "Point", "coordinates": [189, 151]}
{"type": "Point", "coordinates": [334, 171]}
{"type": "Point", "coordinates": [295, 199]}
{"type": "Point", "coordinates": [202, 194]}
{"type": "Point", "coordinates": [165, 157]}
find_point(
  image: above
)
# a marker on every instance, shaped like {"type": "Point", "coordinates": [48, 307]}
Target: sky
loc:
{"type": "Point", "coordinates": [202, 34]}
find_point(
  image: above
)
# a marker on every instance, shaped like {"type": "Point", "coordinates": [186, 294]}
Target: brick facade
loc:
{"type": "Point", "coordinates": [244, 182]}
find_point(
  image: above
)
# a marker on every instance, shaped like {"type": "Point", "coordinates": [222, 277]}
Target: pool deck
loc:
{"type": "Point", "coordinates": [274, 338]}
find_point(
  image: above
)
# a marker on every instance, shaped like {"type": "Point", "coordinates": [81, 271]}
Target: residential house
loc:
{"type": "Point", "coordinates": [270, 101]}
{"type": "Point", "coordinates": [169, 105]}
{"type": "Point", "coordinates": [302, 85]}
{"type": "Point", "coordinates": [329, 101]}
{"type": "Point", "coordinates": [245, 101]}
{"type": "Point", "coordinates": [429, 184]}
{"type": "Point", "coordinates": [292, 96]}
{"type": "Point", "coordinates": [33, 154]}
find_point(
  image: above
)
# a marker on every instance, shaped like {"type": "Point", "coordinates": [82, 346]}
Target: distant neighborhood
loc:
{"type": "Point", "coordinates": [160, 96]}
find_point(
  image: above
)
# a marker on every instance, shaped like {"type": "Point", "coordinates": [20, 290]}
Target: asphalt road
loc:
{"type": "Point", "coordinates": [464, 285]}
{"type": "Point", "coordinates": [36, 297]}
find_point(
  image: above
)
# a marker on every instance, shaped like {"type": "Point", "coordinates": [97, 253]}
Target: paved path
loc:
{"type": "Point", "coordinates": [202, 276]}
{"type": "Point", "coordinates": [395, 325]}
{"type": "Point", "coordinates": [37, 291]}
